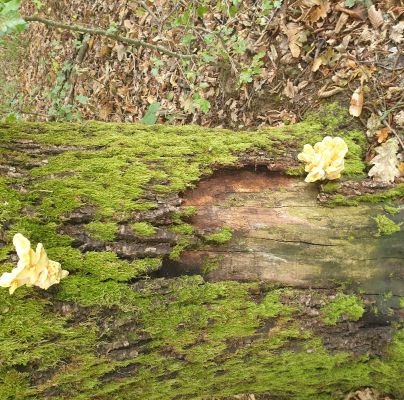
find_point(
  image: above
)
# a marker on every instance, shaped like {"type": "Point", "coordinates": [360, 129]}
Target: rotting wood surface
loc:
{"type": "Point", "coordinates": [135, 319]}
{"type": "Point", "coordinates": [281, 234]}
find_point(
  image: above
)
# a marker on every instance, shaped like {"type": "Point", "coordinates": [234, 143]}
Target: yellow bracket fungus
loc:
{"type": "Point", "coordinates": [325, 160]}
{"type": "Point", "coordinates": [33, 268]}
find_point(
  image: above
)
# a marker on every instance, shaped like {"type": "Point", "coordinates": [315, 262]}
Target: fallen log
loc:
{"type": "Point", "coordinates": [201, 265]}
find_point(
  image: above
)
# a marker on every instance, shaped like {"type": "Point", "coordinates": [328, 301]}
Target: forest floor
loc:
{"type": "Point", "coordinates": [255, 63]}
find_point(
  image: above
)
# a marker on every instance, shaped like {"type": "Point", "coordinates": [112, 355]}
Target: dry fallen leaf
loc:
{"type": "Point", "coordinates": [382, 134]}
{"type": "Point", "coordinates": [309, 3]}
{"type": "Point", "coordinates": [290, 90]}
{"type": "Point", "coordinates": [318, 12]}
{"type": "Point", "coordinates": [355, 108]}
{"type": "Point", "coordinates": [375, 17]}
{"type": "Point", "coordinates": [396, 32]}
{"type": "Point", "coordinates": [293, 32]}
{"type": "Point", "coordinates": [399, 119]}
{"type": "Point", "coordinates": [365, 394]}
{"type": "Point", "coordinates": [385, 163]}
{"type": "Point", "coordinates": [120, 51]}
{"type": "Point", "coordinates": [342, 20]}
{"type": "Point", "coordinates": [373, 124]}
{"type": "Point", "coordinates": [401, 168]}
{"type": "Point", "coordinates": [396, 12]}
{"type": "Point", "coordinates": [317, 64]}
{"type": "Point", "coordinates": [357, 12]}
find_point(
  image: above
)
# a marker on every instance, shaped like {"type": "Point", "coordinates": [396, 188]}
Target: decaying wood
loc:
{"type": "Point", "coordinates": [283, 235]}
{"type": "Point", "coordinates": [176, 338]}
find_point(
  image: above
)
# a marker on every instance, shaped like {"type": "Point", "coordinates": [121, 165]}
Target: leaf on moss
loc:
{"type": "Point", "coordinates": [385, 163]}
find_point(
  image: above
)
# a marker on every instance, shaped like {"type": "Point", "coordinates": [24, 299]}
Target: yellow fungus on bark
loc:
{"type": "Point", "coordinates": [33, 268]}
{"type": "Point", "coordinates": [325, 160]}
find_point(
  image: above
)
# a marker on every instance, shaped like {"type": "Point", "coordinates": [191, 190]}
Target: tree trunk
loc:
{"type": "Point", "coordinates": [249, 283]}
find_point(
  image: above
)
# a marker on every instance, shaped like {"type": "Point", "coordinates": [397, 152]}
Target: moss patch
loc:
{"type": "Point", "coordinates": [349, 306]}
{"type": "Point", "coordinates": [221, 237]}
{"type": "Point", "coordinates": [144, 229]}
{"type": "Point", "coordinates": [385, 226]}
{"type": "Point", "coordinates": [177, 250]}
{"type": "Point", "coordinates": [386, 196]}
{"type": "Point", "coordinates": [210, 264]}
{"type": "Point", "coordinates": [102, 230]}
{"type": "Point", "coordinates": [183, 229]}
{"type": "Point", "coordinates": [391, 210]}
{"type": "Point", "coordinates": [331, 187]}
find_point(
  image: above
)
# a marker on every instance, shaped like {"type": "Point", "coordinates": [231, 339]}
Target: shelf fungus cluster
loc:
{"type": "Point", "coordinates": [33, 269]}
{"type": "Point", "coordinates": [325, 160]}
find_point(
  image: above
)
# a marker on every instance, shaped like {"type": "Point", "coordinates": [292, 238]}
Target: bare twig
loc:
{"type": "Point", "coordinates": [104, 33]}
{"type": "Point", "coordinates": [151, 13]}
{"type": "Point", "coordinates": [79, 59]}
{"type": "Point", "coordinates": [400, 140]}
{"type": "Point", "coordinates": [323, 94]}
{"type": "Point", "coordinates": [26, 112]}
{"type": "Point", "coordinates": [223, 44]}
{"type": "Point", "coordinates": [264, 32]}
{"type": "Point", "coordinates": [174, 9]}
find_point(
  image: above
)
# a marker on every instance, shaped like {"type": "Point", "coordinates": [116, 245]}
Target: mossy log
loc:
{"type": "Point", "coordinates": [201, 265]}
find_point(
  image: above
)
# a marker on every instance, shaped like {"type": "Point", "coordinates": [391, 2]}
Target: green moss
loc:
{"type": "Point", "coordinates": [385, 196]}
{"type": "Point", "coordinates": [220, 237]}
{"type": "Point", "coordinates": [187, 212]}
{"type": "Point", "coordinates": [391, 210]}
{"type": "Point", "coordinates": [13, 385]}
{"type": "Point", "coordinates": [103, 265]}
{"type": "Point", "coordinates": [102, 230]}
{"type": "Point", "coordinates": [385, 226]}
{"type": "Point", "coordinates": [87, 291]}
{"type": "Point", "coordinates": [183, 229]}
{"type": "Point", "coordinates": [4, 252]}
{"type": "Point", "coordinates": [349, 306]}
{"type": "Point", "coordinates": [10, 201]}
{"type": "Point", "coordinates": [191, 327]}
{"type": "Point", "coordinates": [339, 200]}
{"type": "Point", "coordinates": [331, 187]}
{"type": "Point", "coordinates": [210, 264]}
{"type": "Point", "coordinates": [33, 335]}
{"type": "Point", "coordinates": [177, 250]}
{"type": "Point", "coordinates": [38, 231]}
{"type": "Point", "coordinates": [295, 171]}
{"type": "Point", "coordinates": [144, 229]}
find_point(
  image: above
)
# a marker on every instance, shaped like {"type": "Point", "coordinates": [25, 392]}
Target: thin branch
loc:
{"type": "Point", "coordinates": [223, 44]}
{"type": "Point", "coordinates": [265, 30]}
{"type": "Point", "coordinates": [400, 140]}
{"type": "Point", "coordinates": [25, 112]}
{"type": "Point", "coordinates": [113, 36]}
{"type": "Point", "coordinates": [151, 13]}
